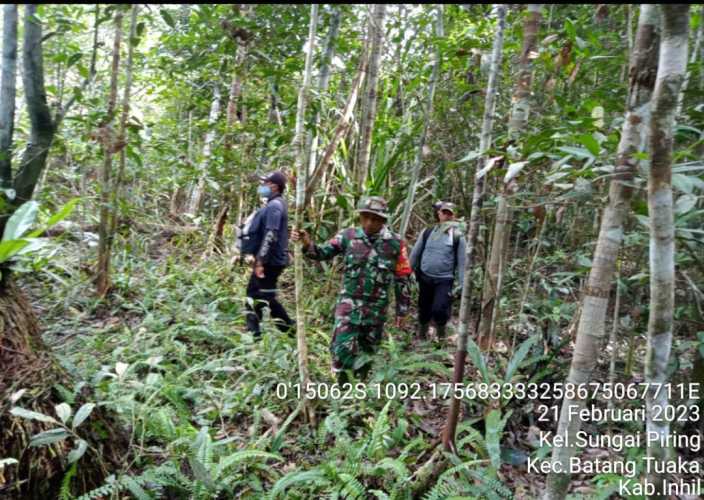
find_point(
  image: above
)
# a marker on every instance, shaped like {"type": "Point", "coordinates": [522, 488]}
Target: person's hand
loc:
{"type": "Point", "coordinates": [302, 236]}
{"type": "Point", "coordinates": [259, 270]}
{"type": "Point", "coordinates": [400, 322]}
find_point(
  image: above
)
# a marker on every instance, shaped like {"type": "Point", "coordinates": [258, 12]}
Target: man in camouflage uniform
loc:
{"type": "Point", "coordinates": [373, 257]}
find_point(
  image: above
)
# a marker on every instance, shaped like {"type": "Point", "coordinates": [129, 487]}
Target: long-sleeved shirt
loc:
{"type": "Point", "coordinates": [438, 259]}
{"type": "Point", "coordinates": [371, 265]}
{"type": "Point", "coordinates": [273, 250]}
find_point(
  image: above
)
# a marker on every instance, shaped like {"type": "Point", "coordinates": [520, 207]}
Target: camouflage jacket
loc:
{"type": "Point", "coordinates": [369, 268]}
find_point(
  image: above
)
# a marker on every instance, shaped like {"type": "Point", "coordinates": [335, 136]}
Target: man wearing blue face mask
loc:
{"type": "Point", "coordinates": [271, 257]}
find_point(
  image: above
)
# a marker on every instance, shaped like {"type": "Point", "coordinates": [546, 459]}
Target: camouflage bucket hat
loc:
{"type": "Point", "coordinates": [374, 205]}
{"type": "Point", "coordinates": [444, 205]}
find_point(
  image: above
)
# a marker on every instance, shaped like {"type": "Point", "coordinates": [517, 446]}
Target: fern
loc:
{"type": "Point", "coordinates": [65, 492]}
{"type": "Point", "coordinates": [379, 441]}
{"type": "Point", "coordinates": [313, 475]}
{"type": "Point", "coordinates": [241, 456]}
{"type": "Point", "coordinates": [351, 487]}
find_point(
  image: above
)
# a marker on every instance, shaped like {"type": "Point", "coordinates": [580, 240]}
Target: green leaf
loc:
{"type": "Point", "coordinates": [136, 489]}
{"type": "Point", "coordinates": [76, 453]}
{"type": "Point", "coordinates": [7, 461]}
{"type": "Point", "coordinates": [683, 182]}
{"type": "Point", "coordinates": [493, 437]}
{"type": "Point", "coordinates": [590, 143]}
{"type": "Point", "coordinates": [478, 359]}
{"type": "Point", "coordinates": [167, 17]}
{"type": "Point", "coordinates": [32, 415]}
{"type": "Point", "coordinates": [472, 155]}
{"type": "Point", "coordinates": [48, 437]}
{"type": "Point", "coordinates": [518, 357]}
{"type": "Point", "coordinates": [11, 248]}
{"type": "Point", "coordinates": [82, 414]}
{"type": "Point", "coordinates": [685, 203]}
{"type": "Point", "coordinates": [63, 411]}
{"type": "Point", "coordinates": [73, 59]}
{"type": "Point", "coordinates": [21, 220]}
{"type": "Point", "coordinates": [578, 152]}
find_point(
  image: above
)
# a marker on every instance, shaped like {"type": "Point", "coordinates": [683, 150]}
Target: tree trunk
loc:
{"type": "Point", "coordinates": [406, 217]}
{"type": "Point", "coordinates": [448, 437]}
{"type": "Point", "coordinates": [591, 329]}
{"type": "Point", "coordinates": [342, 128]}
{"type": "Point", "coordinates": [106, 194]}
{"type": "Point", "coordinates": [693, 58]}
{"type": "Point", "coordinates": [520, 110]}
{"type": "Point", "coordinates": [233, 189]}
{"type": "Point", "coordinates": [671, 74]}
{"type": "Point", "coordinates": [8, 92]}
{"type": "Point", "coordinates": [301, 171]}
{"type": "Point", "coordinates": [369, 100]}
{"type": "Point", "coordinates": [313, 140]}
{"type": "Point", "coordinates": [42, 126]}
{"type": "Point", "coordinates": [122, 136]}
{"type": "Point", "coordinates": [196, 199]}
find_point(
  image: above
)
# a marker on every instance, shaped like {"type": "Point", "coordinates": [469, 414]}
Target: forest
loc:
{"type": "Point", "coordinates": [391, 251]}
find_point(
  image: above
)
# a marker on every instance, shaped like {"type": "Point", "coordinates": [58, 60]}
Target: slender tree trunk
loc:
{"type": "Point", "coordinates": [8, 91]}
{"type": "Point", "coordinates": [196, 199]}
{"type": "Point", "coordinates": [591, 329]}
{"type": "Point", "coordinates": [406, 217]}
{"type": "Point", "coordinates": [342, 128]}
{"type": "Point", "coordinates": [313, 140]}
{"type": "Point", "coordinates": [233, 190]}
{"type": "Point", "coordinates": [369, 100]}
{"type": "Point", "coordinates": [301, 171]}
{"type": "Point", "coordinates": [124, 116]}
{"type": "Point", "coordinates": [520, 110]}
{"type": "Point", "coordinates": [613, 338]}
{"type": "Point", "coordinates": [448, 437]}
{"type": "Point", "coordinates": [42, 131]}
{"type": "Point", "coordinates": [692, 60]}
{"type": "Point", "coordinates": [106, 184]}
{"type": "Point", "coordinates": [671, 74]}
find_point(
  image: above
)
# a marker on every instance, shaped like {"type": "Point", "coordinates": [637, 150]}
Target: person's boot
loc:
{"type": "Point", "coordinates": [423, 330]}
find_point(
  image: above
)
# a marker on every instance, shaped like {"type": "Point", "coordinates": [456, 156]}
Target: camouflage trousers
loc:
{"type": "Point", "coordinates": [350, 339]}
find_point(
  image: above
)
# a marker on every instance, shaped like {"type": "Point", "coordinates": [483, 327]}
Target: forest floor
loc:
{"type": "Point", "coordinates": [207, 408]}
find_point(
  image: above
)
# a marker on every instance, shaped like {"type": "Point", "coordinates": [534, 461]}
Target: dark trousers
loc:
{"type": "Point", "coordinates": [434, 299]}
{"type": "Point", "coordinates": [263, 293]}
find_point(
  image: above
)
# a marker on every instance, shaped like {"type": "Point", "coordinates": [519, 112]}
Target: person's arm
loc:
{"type": "Point", "coordinates": [327, 250]}
{"type": "Point", "coordinates": [415, 253]}
{"type": "Point", "coordinates": [402, 283]}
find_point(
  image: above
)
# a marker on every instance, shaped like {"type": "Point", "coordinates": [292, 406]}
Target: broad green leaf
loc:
{"type": "Point", "coordinates": [513, 170]}
{"type": "Point", "coordinates": [63, 411]}
{"type": "Point", "coordinates": [478, 359]}
{"type": "Point", "coordinates": [78, 451]}
{"type": "Point", "coordinates": [517, 358]}
{"type": "Point", "coordinates": [493, 437]}
{"type": "Point", "coordinates": [578, 152]}
{"type": "Point", "coordinates": [58, 216]}
{"type": "Point", "coordinates": [32, 415]}
{"type": "Point", "coordinates": [685, 203]}
{"type": "Point", "coordinates": [136, 489]}
{"type": "Point", "coordinates": [82, 414]}
{"type": "Point", "coordinates": [48, 437]}
{"type": "Point", "coordinates": [472, 155]}
{"type": "Point", "coordinates": [11, 248]}
{"type": "Point", "coordinates": [683, 183]}
{"type": "Point", "coordinates": [590, 143]}
{"type": "Point", "coordinates": [7, 461]}
{"type": "Point", "coordinates": [168, 18]}
{"type": "Point", "coordinates": [21, 220]}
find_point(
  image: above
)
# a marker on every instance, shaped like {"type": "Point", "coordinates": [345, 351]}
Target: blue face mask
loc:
{"type": "Point", "coordinates": [264, 191]}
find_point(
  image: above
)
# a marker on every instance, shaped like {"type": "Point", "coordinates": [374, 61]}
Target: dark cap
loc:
{"type": "Point", "coordinates": [444, 205]}
{"type": "Point", "coordinates": [277, 178]}
{"type": "Point", "coordinates": [374, 205]}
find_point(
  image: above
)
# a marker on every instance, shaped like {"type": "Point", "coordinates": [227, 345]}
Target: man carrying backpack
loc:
{"type": "Point", "coordinates": [267, 239]}
{"type": "Point", "coordinates": [437, 257]}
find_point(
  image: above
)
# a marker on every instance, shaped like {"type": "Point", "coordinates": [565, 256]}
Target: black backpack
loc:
{"type": "Point", "coordinates": [426, 235]}
{"type": "Point", "coordinates": [248, 235]}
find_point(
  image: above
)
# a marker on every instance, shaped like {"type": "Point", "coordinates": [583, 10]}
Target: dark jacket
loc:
{"type": "Point", "coordinates": [273, 225]}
